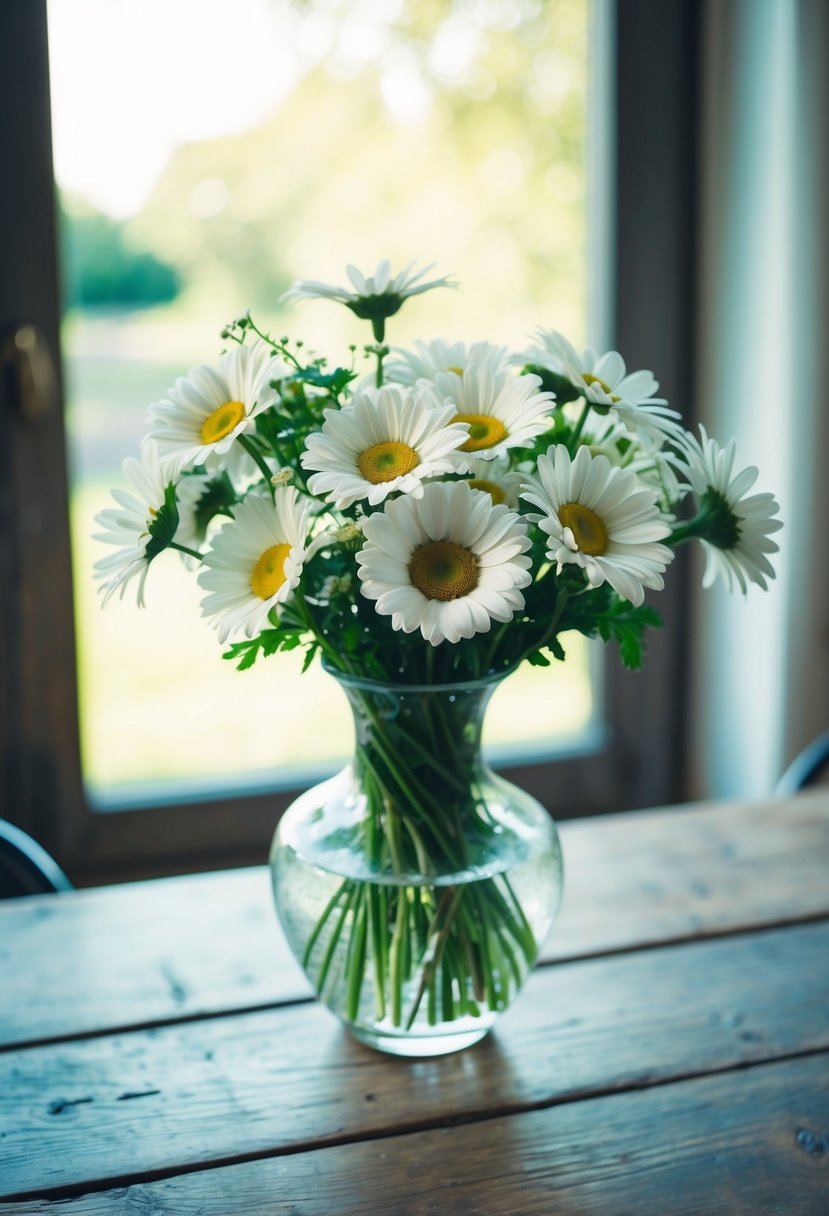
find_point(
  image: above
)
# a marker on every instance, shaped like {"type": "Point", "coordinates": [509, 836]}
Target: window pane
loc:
{"type": "Point", "coordinates": [207, 155]}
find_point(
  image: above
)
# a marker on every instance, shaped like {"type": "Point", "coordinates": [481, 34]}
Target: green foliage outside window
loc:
{"type": "Point", "coordinates": [102, 268]}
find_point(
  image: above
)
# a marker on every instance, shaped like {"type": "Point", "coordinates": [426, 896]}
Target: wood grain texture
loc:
{"type": "Point", "coordinates": [142, 952]}
{"type": "Point", "coordinates": [751, 1143]}
{"type": "Point", "coordinates": [155, 1102]}
{"type": "Point", "coordinates": [148, 953]}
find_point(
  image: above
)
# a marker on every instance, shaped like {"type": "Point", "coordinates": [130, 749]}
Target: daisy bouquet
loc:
{"type": "Point", "coordinates": [436, 518]}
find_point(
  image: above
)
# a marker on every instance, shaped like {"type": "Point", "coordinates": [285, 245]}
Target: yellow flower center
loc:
{"type": "Point", "coordinates": [589, 378]}
{"type": "Point", "coordinates": [484, 431]}
{"type": "Point", "coordinates": [457, 370]}
{"type": "Point", "coordinates": [222, 421]}
{"type": "Point", "coordinates": [588, 529]}
{"type": "Point", "coordinates": [489, 487]}
{"type": "Point", "coordinates": [443, 570]}
{"type": "Point", "coordinates": [268, 574]}
{"type": "Point", "coordinates": [385, 461]}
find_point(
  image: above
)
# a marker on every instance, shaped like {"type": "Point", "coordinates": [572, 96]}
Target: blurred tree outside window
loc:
{"type": "Point", "coordinates": [208, 154]}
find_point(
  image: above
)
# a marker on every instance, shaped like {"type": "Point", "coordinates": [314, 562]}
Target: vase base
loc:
{"type": "Point", "coordinates": [419, 1046]}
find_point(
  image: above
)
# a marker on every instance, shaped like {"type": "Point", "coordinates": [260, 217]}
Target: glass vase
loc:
{"type": "Point", "coordinates": [417, 886]}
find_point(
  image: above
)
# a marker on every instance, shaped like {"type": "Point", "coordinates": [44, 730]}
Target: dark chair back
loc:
{"type": "Point", "coordinates": [25, 867]}
{"type": "Point", "coordinates": [809, 768]}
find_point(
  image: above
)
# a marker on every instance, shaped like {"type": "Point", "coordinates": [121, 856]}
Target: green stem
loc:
{"type": "Point", "coordinates": [280, 346]}
{"type": "Point", "coordinates": [509, 955]}
{"type": "Point", "coordinates": [424, 864]}
{"type": "Point", "coordinates": [357, 959]}
{"type": "Point", "coordinates": [430, 758]}
{"type": "Point", "coordinates": [408, 783]}
{"type": "Point", "coordinates": [574, 438]}
{"type": "Point", "coordinates": [323, 920]}
{"type": "Point", "coordinates": [257, 457]}
{"type": "Point", "coordinates": [519, 926]}
{"type": "Point", "coordinates": [392, 821]}
{"type": "Point", "coordinates": [173, 544]}
{"type": "Point", "coordinates": [497, 638]}
{"type": "Point", "coordinates": [376, 911]}
{"type": "Point", "coordinates": [432, 1000]}
{"type": "Point", "coordinates": [451, 970]}
{"type": "Point", "coordinates": [686, 532]}
{"type": "Point", "coordinates": [379, 947]}
{"type": "Point", "coordinates": [487, 970]}
{"type": "Point", "coordinates": [449, 902]}
{"type": "Point", "coordinates": [302, 613]}
{"type": "Point", "coordinates": [396, 972]}
{"type": "Point", "coordinates": [552, 629]}
{"type": "Point", "coordinates": [435, 949]}
{"type": "Point", "coordinates": [335, 936]}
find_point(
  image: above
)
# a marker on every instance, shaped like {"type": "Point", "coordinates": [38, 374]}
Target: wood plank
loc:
{"type": "Point", "coordinates": [751, 1143]}
{"type": "Point", "coordinates": [140, 953]}
{"type": "Point", "coordinates": [158, 1101]}
{"type": "Point", "coordinates": [691, 872]}
{"type": "Point", "coordinates": [151, 952]}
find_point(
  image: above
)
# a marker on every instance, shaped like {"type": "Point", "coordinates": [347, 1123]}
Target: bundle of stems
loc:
{"type": "Point", "coordinates": [429, 935]}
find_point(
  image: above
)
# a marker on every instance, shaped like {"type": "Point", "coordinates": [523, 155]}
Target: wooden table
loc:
{"type": "Point", "coordinates": [161, 1054]}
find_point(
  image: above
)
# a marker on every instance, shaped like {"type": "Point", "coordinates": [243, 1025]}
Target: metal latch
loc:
{"type": "Point", "coordinates": [29, 372]}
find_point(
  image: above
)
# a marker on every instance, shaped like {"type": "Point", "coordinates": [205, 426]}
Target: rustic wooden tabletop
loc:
{"type": "Point", "coordinates": [160, 1052]}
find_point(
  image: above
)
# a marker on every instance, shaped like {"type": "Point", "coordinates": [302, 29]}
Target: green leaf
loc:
{"type": "Point", "coordinates": [334, 381]}
{"type": "Point", "coordinates": [291, 643]}
{"type": "Point", "coordinates": [310, 655]}
{"type": "Point", "coordinates": [538, 659]}
{"type": "Point", "coordinates": [556, 649]}
{"type": "Point", "coordinates": [625, 624]}
{"type": "Point", "coordinates": [268, 642]}
{"type": "Point", "coordinates": [164, 525]}
{"type": "Point", "coordinates": [248, 660]}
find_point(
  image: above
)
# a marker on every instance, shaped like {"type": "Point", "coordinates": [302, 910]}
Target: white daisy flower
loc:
{"type": "Point", "coordinates": [366, 287]}
{"type": "Point", "coordinates": [604, 381]}
{"type": "Point", "coordinates": [601, 518]}
{"type": "Point", "coordinates": [499, 416]}
{"type": "Point", "coordinates": [127, 526]}
{"type": "Point", "coordinates": [656, 468]}
{"type": "Point", "coordinates": [447, 564]}
{"type": "Point", "coordinates": [739, 527]}
{"type": "Point", "coordinates": [498, 479]}
{"type": "Point", "coordinates": [382, 442]}
{"type": "Point", "coordinates": [427, 359]}
{"type": "Point", "coordinates": [374, 297]}
{"type": "Point", "coordinates": [206, 410]}
{"type": "Point", "coordinates": [255, 561]}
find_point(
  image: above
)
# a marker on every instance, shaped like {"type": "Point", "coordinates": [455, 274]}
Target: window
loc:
{"type": "Point", "coordinates": [44, 776]}
{"type": "Point", "coordinates": [172, 200]}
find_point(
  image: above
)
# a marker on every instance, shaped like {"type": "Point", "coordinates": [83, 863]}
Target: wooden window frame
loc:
{"type": "Point", "coordinates": [638, 760]}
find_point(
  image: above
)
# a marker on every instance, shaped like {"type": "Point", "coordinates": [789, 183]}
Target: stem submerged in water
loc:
{"type": "Point", "coordinates": [439, 935]}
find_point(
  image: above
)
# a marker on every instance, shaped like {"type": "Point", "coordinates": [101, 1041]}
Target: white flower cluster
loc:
{"type": "Point", "coordinates": [459, 475]}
